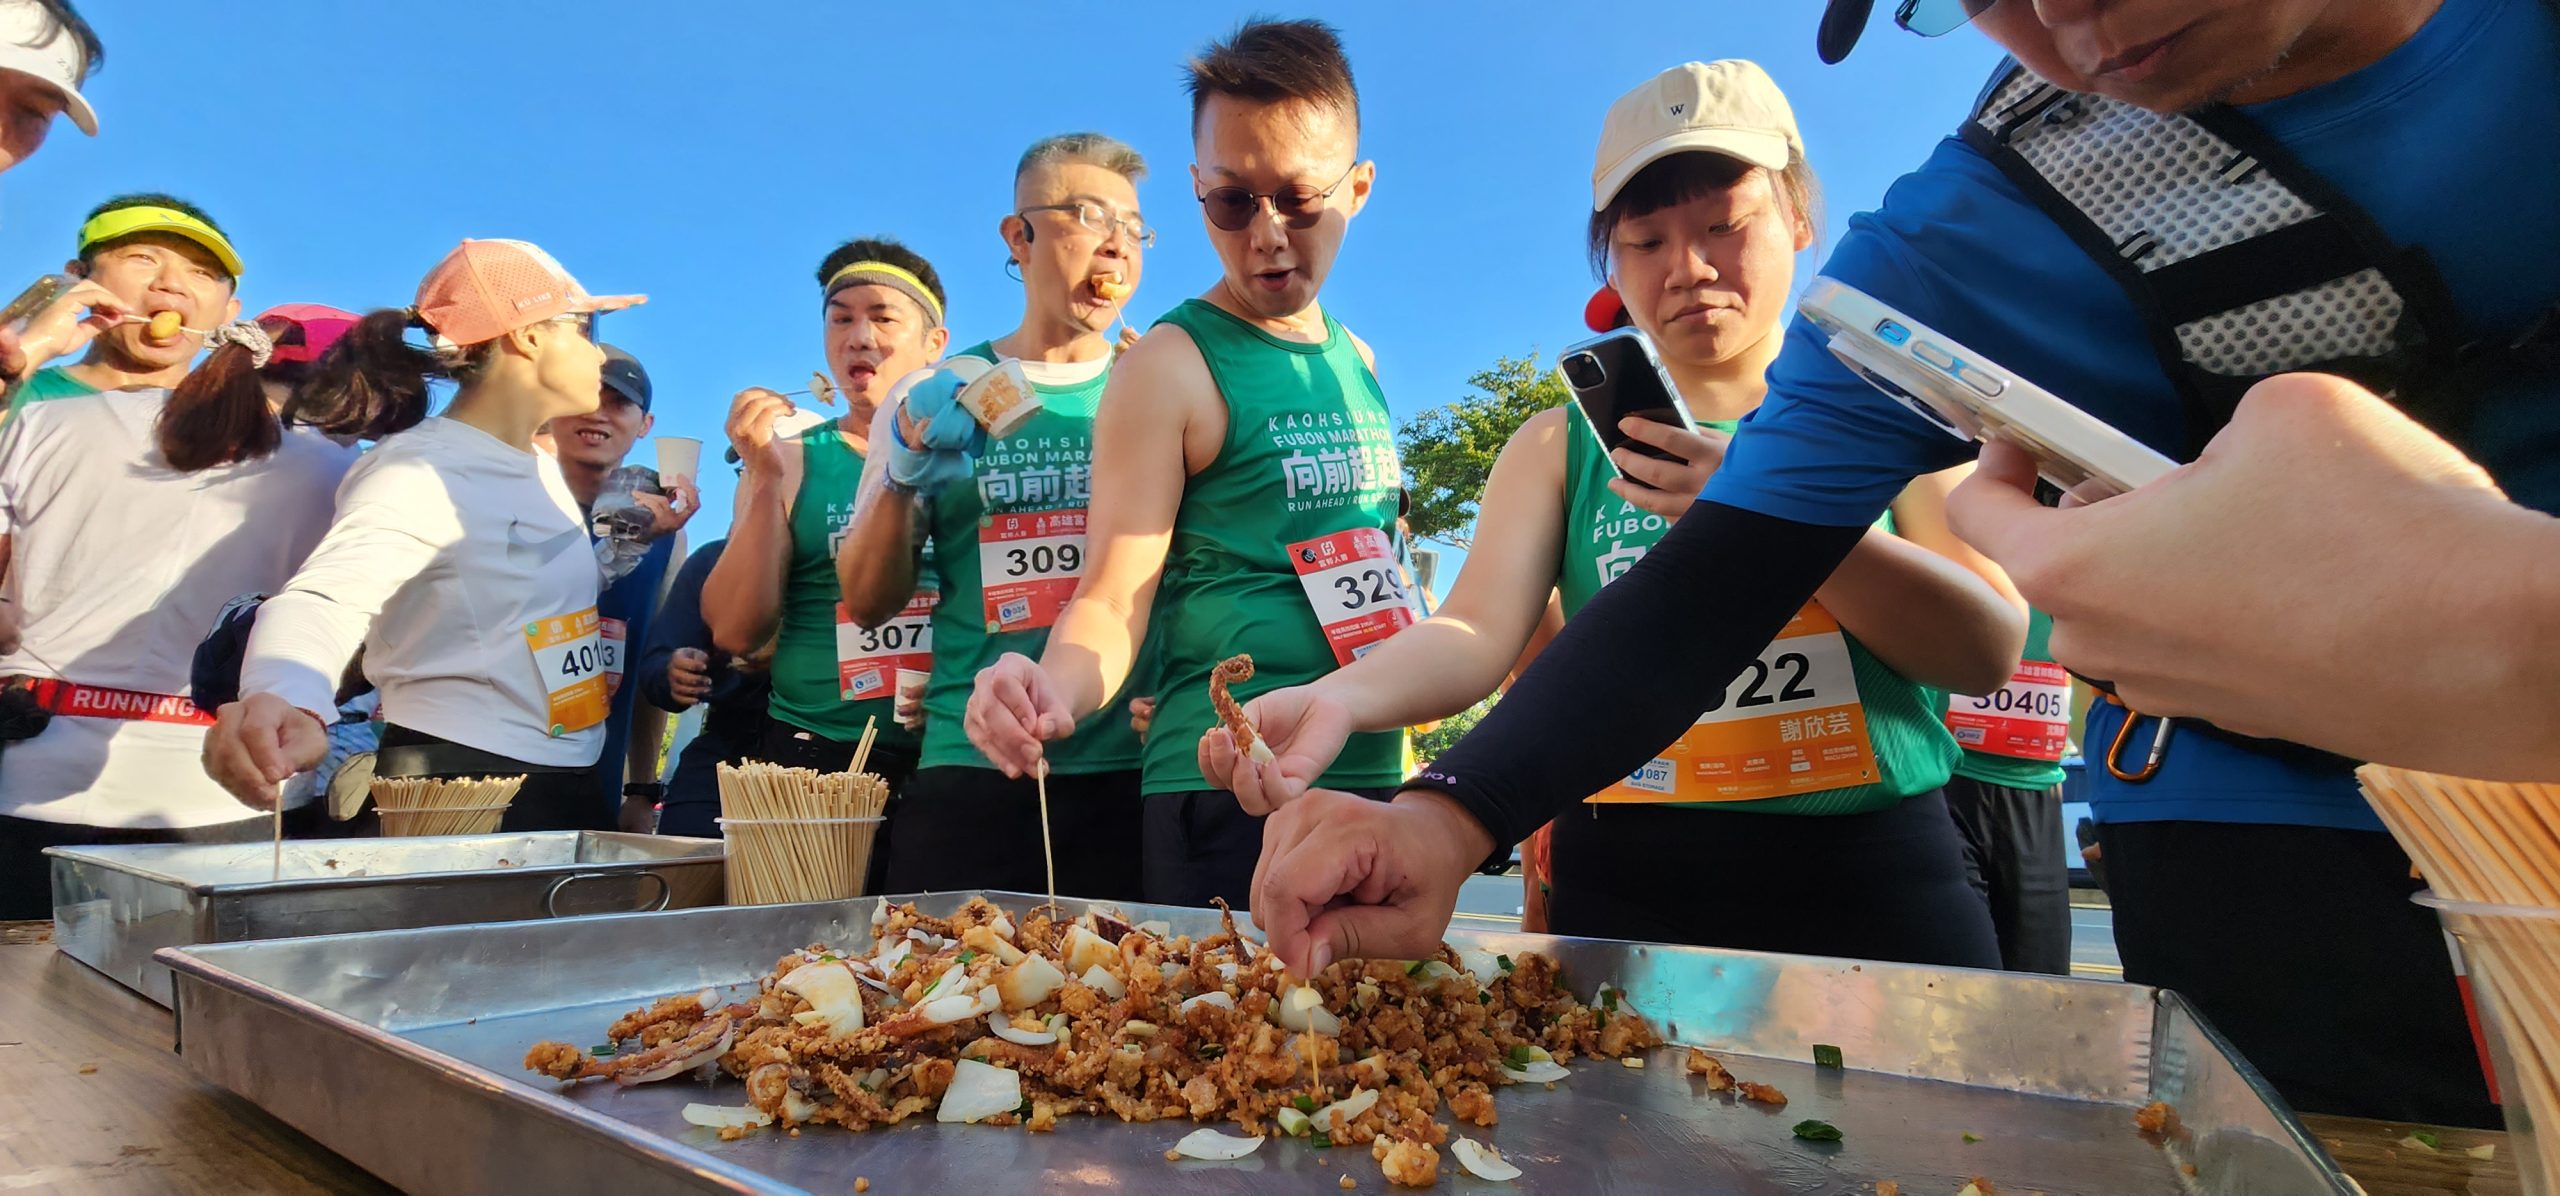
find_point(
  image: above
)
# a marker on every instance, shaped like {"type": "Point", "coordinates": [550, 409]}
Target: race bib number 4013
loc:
{"type": "Point", "coordinates": [568, 655]}
{"type": "Point", "coordinates": [868, 658]}
{"type": "Point", "coordinates": [2027, 719]}
{"type": "Point", "coordinates": [1358, 592]}
{"type": "Point", "coordinates": [1028, 563]}
{"type": "Point", "coordinates": [1791, 723]}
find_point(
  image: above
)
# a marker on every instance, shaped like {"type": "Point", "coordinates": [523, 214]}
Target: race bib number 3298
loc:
{"type": "Point", "coordinates": [1359, 594]}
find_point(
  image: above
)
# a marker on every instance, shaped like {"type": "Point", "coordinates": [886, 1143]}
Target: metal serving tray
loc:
{"type": "Point", "coordinates": [403, 1051]}
{"type": "Point", "coordinates": [114, 906]}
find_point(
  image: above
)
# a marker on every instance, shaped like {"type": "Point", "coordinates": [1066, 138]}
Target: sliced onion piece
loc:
{"type": "Point", "coordinates": [1434, 971]}
{"type": "Point", "coordinates": [1220, 1000]}
{"type": "Point", "coordinates": [1085, 949]}
{"type": "Point", "coordinates": [724, 1117]}
{"type": "Point", "coordinates": [1003, 1027]}
{"type": "Point", "coordinates": [1003, 926]}
{"type": "Point", "coordinates": [1157, 928]}
{"type": "Point", "coordinates": [798, 1107]}
{"type": "Point", "coordinates": [831, 992]}
{"type": "Point", "coordinates": [953, 979]}
{"type": "Point", "coordinates": [1482, 965]}
{"type": "Point", "coordinates": [880, 914]}
{"type": "Point", "coordinates": [1482, 1161]}
{"type": "Point", "coordinates": [1351, 1107]}
{"type": "Point", "coordinates": [1543, 1071]}
{"type": "Point", "coordinates": [979, 1091]}
{"type": "Point", "coordinates": [1029, 982]}
{"type": "Point", "coordinates": [1227, 972]}
{"type": "Point", "coordinates": [943, 1011]}
{"type": "Point", "coordinates": [1215, 1147]}
{"type": "Point", "coordinates": [892, 955]}
{"type": "Point", "coordinates": [989, 1000]}
{"type": "Point", "coordinates": [1103, 982]}
{"type": "Point", "coordinates": [1305, 1013]}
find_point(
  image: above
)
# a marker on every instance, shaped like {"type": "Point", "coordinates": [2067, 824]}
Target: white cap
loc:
{"type": "Point", "coordinates": [33, 43]}
{"type": "Point", "coordinates": [1729, 107]}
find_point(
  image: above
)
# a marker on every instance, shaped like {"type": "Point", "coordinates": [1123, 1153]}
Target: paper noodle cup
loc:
{"type": "Point", "coordinates": [1001, 400]}
{"type": "Point", "coordinates": [679, 457]}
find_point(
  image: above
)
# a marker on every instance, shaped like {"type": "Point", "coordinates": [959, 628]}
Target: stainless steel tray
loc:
{"type": "Point", "coordinates": [114, 906]}
{"type": "Point", "coordinates": [383, 1046]}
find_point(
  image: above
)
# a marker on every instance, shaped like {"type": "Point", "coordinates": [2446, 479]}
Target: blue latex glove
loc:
{"type": "Point", "coordinates": [951, 438]}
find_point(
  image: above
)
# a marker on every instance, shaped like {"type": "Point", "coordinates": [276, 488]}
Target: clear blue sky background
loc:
{"type": "Point", "coordinates": [710, 154]}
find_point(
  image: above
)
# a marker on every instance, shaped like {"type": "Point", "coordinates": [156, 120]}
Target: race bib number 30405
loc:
{"type": "Point", "coordinates": [2027, 719]}
{"type": "Point", "coordinates": [1359, 595]}
{"type": "Point", "coordinates": [868, 658]}
{"type": "Point", "coordinates": [568, 655]}
{"type": "Point", "coordinates": [1791, 723]}
{"type": "Point", "coordinates": [1028, 563]}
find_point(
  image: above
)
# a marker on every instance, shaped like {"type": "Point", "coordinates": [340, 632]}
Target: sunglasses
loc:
{"type": "Point", "coordinates": [1930, 18]}
{"type": "Point", "coordinates": [586, 322]}
{"type": "Point", "coordinates": [1231, 209]}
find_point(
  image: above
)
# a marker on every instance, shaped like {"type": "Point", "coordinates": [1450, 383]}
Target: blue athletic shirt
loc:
{"type": "Point", "coordinates": [2445, 141]}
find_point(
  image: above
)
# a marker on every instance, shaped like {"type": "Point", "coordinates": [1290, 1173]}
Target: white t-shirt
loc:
{"type": "Point", "coordinates": [119, 565]}
{"type": "Point", "coordinates": [448, 544]}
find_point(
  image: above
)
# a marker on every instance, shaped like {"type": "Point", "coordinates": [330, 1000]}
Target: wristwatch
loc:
{"type": "Point", "coordinates": [648, 789]}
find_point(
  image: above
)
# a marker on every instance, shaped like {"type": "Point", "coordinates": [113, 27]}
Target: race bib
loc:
{"type": "Point", "coordinates": [2027, 719]}
{"type": "Point", "coordinates": [1791, 723]}
{"type": "Point", "coordinates": [868, 658]}
{"type": "Point", "coordinates": [568, 654]}
{"type": "Point", "coordinates": [616, 634]}
{"type": "Point", "coordinates": [1028, 564]}
{"type": "Point", "coordinates": [1358, 592]}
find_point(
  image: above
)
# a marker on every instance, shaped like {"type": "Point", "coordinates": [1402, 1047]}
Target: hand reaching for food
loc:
{"type": "Point", "coordinates": [1296, 735]}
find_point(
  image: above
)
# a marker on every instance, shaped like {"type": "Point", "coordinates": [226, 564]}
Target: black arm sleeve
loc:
{"type": "Point", "coordinates": [1636, 664]}
{"type": "Point", "coordinates": [678, 624]}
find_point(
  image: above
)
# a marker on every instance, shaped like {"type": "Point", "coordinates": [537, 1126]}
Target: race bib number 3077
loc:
{"type": "Point", "coordinates": [1359, 594]}
{"type": "Point", "coordinates": [868, 658]}
{"type": "Point", "coordinates": [1791, 723]}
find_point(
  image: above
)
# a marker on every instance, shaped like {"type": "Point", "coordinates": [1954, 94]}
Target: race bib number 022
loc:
{"type": "Point", "coordinates": [1791, 723]}
{"type": "Point", "coordinates": [1028, 563]}
{"type": "Point", "coordinates": [868, 658]}
{"type": "Point", "coordinates": [1359, 594]}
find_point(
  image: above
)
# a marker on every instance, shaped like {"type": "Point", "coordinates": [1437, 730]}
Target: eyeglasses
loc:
{"type": "Point", "coordinates": [1101, 220]}
{"type": "Point", "coordinates": [1233, 208]}
{"type": "Point", "coordinates": [586, 322]}
{"type": "Point", "coordinates": [1930, 18]}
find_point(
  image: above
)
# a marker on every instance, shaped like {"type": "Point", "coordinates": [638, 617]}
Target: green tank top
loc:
{"type": "Point", "coordinates": [48, 384]}
{"type": "Point", "coordinates": [1605, 534]}
{"type": "Point", "coordinates": [1993, 769]}
{"type": "Point", "coordinates": [1007, 550]}
{"type": "Point", "coordinates": [1310, 453]}
{"type": "Point", "coordinates": [809, 687]}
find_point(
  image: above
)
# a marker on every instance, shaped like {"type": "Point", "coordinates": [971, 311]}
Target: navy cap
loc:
{"type": "Point", "coordinates": [1842, 22]}
{"type": "Point", "coordinates": [622, 372]}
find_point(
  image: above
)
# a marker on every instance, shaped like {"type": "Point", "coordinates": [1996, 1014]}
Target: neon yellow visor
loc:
{"type": "Point", "coordinates": [125, 222]}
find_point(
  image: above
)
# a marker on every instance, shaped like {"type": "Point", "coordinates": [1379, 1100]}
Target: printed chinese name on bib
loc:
{"type": "Point", "coordinates": [1357, 591]}
{"type": "Point", "coordinates": [568, 654]}
{"type": "Point", "coordinates": [1791, 723]}
{"type": "Point", "coordinates": [2027, 719]}
{"type": "Point", "coordinates": [868, 658]}
{"type": "Point", "coordinates": [1028, 563]}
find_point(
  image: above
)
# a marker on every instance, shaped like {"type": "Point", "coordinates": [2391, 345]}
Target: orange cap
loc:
{"type": "Point", "coordinates": [484, 290]}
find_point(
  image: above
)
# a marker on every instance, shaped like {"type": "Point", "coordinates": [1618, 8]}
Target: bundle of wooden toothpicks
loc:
{"type": "Point", "coordinates": [2494, 843]}
{"type": "Point", "coordinates": [796, 834]}
{"type": "Point", "coordinates": [443, 805]}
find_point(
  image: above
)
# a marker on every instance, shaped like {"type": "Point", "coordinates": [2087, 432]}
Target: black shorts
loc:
{"type": "Point", "coordinates": [792, 747]}
{"type": "Point", "coordinates": [2300, 944]}
{"type": "Point", "coordinates": [2014, 855]}
{"type": "Point", "coordinates": [972, 828]}
{"type": "Point", "coordinates": [1886, 885]}
{"type": "Point", "coordinates": [1202, 845]}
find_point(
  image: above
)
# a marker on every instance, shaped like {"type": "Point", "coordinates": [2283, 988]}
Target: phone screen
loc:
{"type": "Point", "coordinates": [1616, 376]}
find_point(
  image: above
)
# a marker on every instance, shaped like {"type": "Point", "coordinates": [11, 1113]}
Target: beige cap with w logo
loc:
{"type": "Point", "coordinates": [1729, 107]}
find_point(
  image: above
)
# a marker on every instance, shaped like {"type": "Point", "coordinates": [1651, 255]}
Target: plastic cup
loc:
{"type": "Point", "coordinates": [2507, 953]}
{"type": "Point", "coordinates": [679, 457]}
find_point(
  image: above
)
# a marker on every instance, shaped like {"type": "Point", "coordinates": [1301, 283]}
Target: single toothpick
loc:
{"type": "Point", "coordinates": [279, 823]}
{"type": "Point", "coordinates": [1048, 854]}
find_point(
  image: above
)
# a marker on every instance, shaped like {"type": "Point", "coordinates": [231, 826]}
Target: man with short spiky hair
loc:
{"type": "Point", "coordinates": [1245, 475]}
{"type": "Point", "coordinates": [1004, 519]}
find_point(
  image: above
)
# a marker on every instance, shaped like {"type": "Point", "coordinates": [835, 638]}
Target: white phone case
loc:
{"type": "Point", "coordinates": [1974, 398]}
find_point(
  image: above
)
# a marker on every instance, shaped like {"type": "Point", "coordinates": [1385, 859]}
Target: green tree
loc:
{"type": "Point", "coordinates": [1428, 745]}
{"type": "Point", "coordinates": [1448, 451]}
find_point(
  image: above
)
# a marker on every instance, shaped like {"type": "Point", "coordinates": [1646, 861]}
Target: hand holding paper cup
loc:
{"type": "Point", "coordinates": [1001, 399]}
{"type": "Point", "coordinates": [679, 457]}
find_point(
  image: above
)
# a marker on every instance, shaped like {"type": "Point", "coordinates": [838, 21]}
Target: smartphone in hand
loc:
{"type": "Point", "coordinates": [1615, 375]}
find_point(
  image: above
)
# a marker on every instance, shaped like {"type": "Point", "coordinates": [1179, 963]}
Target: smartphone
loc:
{"type": "Point", "coordinates": [35, 298]}
{"type": "Point", "coordinates": [1615, 375]}
{"type": "Point", "coordinates": [1973, 398]}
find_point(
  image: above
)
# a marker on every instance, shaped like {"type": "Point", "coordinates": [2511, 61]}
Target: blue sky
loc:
{"type": "Point", "coordinates": [709, 155]}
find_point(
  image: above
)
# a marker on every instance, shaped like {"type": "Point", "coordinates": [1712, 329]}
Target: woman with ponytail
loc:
{"type": "Point", "coordinates": [130, 517]}
{"type": "Point", "coordinates": [459, 560]}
